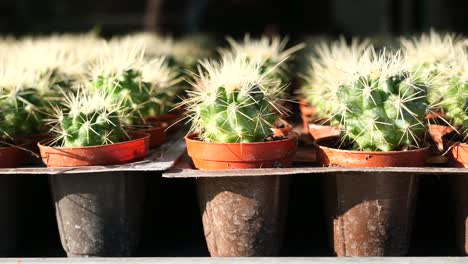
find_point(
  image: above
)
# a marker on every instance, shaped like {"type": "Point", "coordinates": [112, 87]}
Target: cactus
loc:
{"type": "Point", "coordinates": [382, 104]}
{"type": "Point", "coordinates": [233, 101]}
{"type": "Point", "coordinates": [428, 56]}
{"type": "Point", "coordinates": [19, 107]}
{"type": "Point", "coordinates": [454, 101]}
{"type": "Point", "coordinates": [87, 119]}
{"type": "Point", "coordinates": [329, 64]}
{"type": "Point", "coordinates": [267, 52]}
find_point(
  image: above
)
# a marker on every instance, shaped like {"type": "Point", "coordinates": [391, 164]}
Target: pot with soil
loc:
{"type": "Point", "coordinates": [99, 214]}
{"type": "Point", "coordinates": [383, 126]}
{"type": "Point", "coordinates": [233, 120]}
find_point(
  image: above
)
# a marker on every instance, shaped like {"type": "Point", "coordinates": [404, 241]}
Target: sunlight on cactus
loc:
{"type": "Point", "coordinates": [233, 101]}
{"type": "Point", "coordinates": [87, 119]}
{"type": "Point", "coordinates": [382, 104]}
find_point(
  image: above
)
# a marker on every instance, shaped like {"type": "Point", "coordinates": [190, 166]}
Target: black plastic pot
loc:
{"type": "Point", "coordinates": [10, 195]}
{"type": "Point", "coordinates": [243, 216]}
{"type": "Point", "coordinates": [99, 214]}
{"type": "Point", "coordinates": [370, 214]}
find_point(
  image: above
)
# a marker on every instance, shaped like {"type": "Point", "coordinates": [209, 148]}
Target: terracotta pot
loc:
{"type": "Point", "coordinates": [369, 214]}
{"type": "Point", "coordinates": [308, 114]}
{"type": "Point", "coordinates": [328, 156]}
{"type": "Point", "coordinates": [12, 157]}
{"type": "Point", "coordinates": [113, 154]}
{"type": "Point", "coordinates": [321, 131]}
{"type": "Point", "coordinates": [437, 132]}
{"type": "Point", "coordinates": [157, 133]}
{"type": "Point", "coordinates": [221, 156]}
{"type": "Point", "coordinates": [457, 154]}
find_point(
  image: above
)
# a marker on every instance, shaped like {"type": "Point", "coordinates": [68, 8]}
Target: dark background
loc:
{"type": "Point", "coordinates": [233, 17]}
{"type": "Point", "coordinates": [172, 224]}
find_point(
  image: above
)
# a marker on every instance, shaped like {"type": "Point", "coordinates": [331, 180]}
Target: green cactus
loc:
{"type": "Point", "coordinates": [20, 114]}
{"type": "Point", "coordinates": [454, 101]}
{"type": "Point", "coordinates": [87, 119]}
{"type": "Point", "coordinates": [233, 102]}
{"type": "Point", "coordinates": [382, 105]}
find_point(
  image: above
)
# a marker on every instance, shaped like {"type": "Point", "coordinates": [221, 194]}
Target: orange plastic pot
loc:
{"type": "Point", "coordinates": [457, 154]}
{"type": "Point", "coordinates": [12, 157]}
{"type": "Point", "coordinates": [308, 114]}
{"type": "Point", "coordinates": [221, 156]}
{"type": "Point", "coordinates": [321, 131]}
{"type": "Point", "coordinates": [119, 153]}
{"type": "Point", "coordinates": [328, 156]}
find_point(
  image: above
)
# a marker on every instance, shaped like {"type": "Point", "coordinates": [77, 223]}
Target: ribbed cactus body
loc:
{"type": "Point", "coordinates": [383, 115]}
{"type": "Point", "coordinates": [236, 117]}
{"type": "Point", "coordinates": [91, 129]}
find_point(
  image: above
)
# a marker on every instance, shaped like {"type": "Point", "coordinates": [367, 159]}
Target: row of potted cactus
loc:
{"type": "Point", "coordinates": [372, 108]}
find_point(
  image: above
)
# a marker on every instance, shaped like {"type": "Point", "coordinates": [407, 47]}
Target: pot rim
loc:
{"type": "Point", "coordinates": [22, 143]}
{"type": "Point", "coordinates": [292, 135]}
{"type": "Point", "coordinates": [139, 136]}
{"type": "Point", "coordinates": [316, 143]}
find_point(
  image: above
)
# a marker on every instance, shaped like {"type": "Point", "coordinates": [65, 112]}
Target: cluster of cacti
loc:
{"type": "Point", "coordinates": [233, 101]}
{"type": "Point", "coordinates": [328, 67]}
{"type": "Point", "coordinates": [382, 105]}
{"type": "Point", "coordinates": [87, 119]}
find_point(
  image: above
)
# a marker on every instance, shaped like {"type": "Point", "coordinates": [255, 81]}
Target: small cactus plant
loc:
{"type": "Point", "coordinates": [233, 101]}
{"type": "Point", "coordinates": [454, 101]}
{"type": "Point", "coordinates": [382, 104]}
{"type": "Point", "coordinates": [20, 114]}
{"type": "Point", "coordinates": [87, 119]}
{"type": "Point", "coordinates": [268, 52]}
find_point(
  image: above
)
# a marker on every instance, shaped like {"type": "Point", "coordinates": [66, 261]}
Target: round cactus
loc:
{"type": "Point", "coordinates": [233, 102]}
{"type": "Point", "coordinates": [87, 119]}
{"type": "Point", "coordinates": [382, 105]}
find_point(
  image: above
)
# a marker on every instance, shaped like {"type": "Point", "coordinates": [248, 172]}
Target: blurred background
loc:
{"type": "Point", "coordinates": [233, 17]}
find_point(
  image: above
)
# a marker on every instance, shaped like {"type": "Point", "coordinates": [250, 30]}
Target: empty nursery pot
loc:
{"type": "Point", "coordinates": [13, 156]}
{"type": "Point", "coordinates": [369, 214]}
{"type": "Point", "coordinates": [308, 114]}
{"type": "Point", "coordinates": [99, 214]}
{"type": "Point", "coordinates": [221, 156]}
{"type": "Point", "coordinates": [119, 153]}
{"type": "Point", "coordinates": [243, 216]}
{"type": "Point", "coordinates": [437, 132]}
